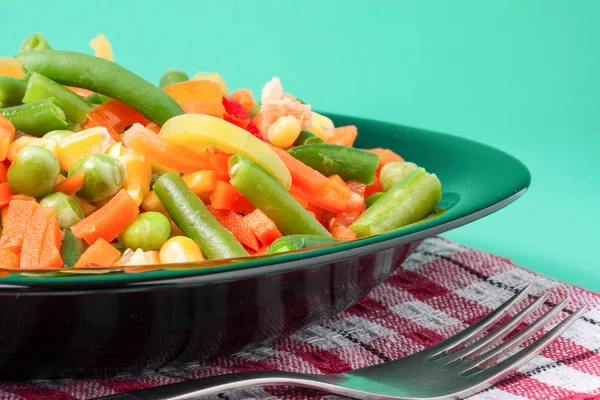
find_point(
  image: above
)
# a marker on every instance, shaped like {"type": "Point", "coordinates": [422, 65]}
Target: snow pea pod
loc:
{"type": "Point", "coordinates": [349, 163]}
{"type": "Point", "coordinates": [104, 77]}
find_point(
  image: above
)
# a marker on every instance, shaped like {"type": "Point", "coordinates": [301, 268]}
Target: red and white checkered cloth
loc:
{"type": "Point", "coordinates": [441, 289]}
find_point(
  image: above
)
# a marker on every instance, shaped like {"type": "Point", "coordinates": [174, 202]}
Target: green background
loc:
{"type": "Point", "coordinates": [520, 75]}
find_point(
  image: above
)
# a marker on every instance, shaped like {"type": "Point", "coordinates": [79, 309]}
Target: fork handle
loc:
{"type": "Point", "coordinates": [195, 388]}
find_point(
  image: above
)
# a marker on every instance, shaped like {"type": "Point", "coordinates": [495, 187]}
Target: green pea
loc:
{"type": "Point", "coordinates": [66, 208]}
{"type": "Point", "coordinates": [58, 134]}
{"type": "Point", "coordinates": [394, 172]}
{"type": "Point", "coordinates": [103, 174]}
{"type": "Point", "coordinates": [33, 172]}
{"type": "Point", "coordinates": [148, 232]}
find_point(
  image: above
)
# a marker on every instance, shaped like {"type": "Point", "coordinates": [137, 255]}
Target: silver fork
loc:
{"type": "Point", "coordinates": [460, 366]}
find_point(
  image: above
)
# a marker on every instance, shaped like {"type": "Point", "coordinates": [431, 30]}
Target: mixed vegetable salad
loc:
{"type": "Point", "coordinates": [102, 169]}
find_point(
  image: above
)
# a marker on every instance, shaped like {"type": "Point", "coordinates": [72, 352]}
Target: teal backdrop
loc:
{"type": "Point", "coordinates": [523, 76]}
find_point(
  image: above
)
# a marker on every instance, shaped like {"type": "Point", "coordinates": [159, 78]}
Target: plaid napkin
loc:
{"type": "Point", "coordinates": [441, 289]}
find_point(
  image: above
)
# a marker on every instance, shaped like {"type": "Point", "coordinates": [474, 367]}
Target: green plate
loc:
{"type": "Point", "coordinates": [476, 180]}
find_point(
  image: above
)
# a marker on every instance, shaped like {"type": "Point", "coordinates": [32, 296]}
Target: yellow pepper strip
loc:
{"type": "Point", "coordinates": [102, 47]}
{"type": "Point", "coordinates": [11, 67]}
{"type": "Point", "coordinates": [138, 171]}
{"type": "Point", "coordinates": [197, 132]}
{"type": "Point", "coordinates": [23, 141]}
{"type": "Point", "coordinates": [90, 141]}
{"type": "Point", "coordinates": [212, 76]}
{"type": "Point", "coordinates": [201, 182]}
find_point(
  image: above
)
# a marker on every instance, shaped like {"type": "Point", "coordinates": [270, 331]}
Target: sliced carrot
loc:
{"type": "Point", "coordinates": [227, 197]}
{"type": "Point", "coordinates": [94, 119]}
{"type": "Point", "coordinates": [3, 173]}
{"type": "Point", "coordinates": [212, 107]}
{"type": "Point", "coordinates": [101, 254]}
{"type": "Point", "coordinates": [163, 152]}
{"type": "Point", "coordinates": [339, 225]}
{"type": "Point", "coordinates": [5, 194]}
{"type": "Point", "coordinates": [333, 201]}
{"type": "Point", "coordinates": [303, 202]}
{"type": "Point", "coordinates": [109, 221]}
{"type": "Point", "coordinates": [80, 91]}
{"type": "Point", "coordinates": [11, 67]}
{"type": "Point", "coordinates": [8, 259]}
{"type": "Point", "coordinates": [153, 126]}
{"type": "Point", "coordinates": [305, 178]}
{"type": "Point", "coordinates": [71, 185]}
{"type": "Point", "coordinates": [344, 135]}
{"type": "Point", "coordinates": [235, 224]}
{"type": "Point", "coordinates": [374, 187]}
{"type": "Point", "coordinates": [34, 238]}
{"type": "Point", "coordinates": [17, 223]}
{"type": "Point", "coordinates": [386, 156]}
{"type": "Point", "coordinates": [23, 197]}
{"type": "Point", "coordinates": [316, 210]}
{"type": "Point", "coordinates": [263, 227]}
{"type": "Point", "coordinates": [7, 134]}
{"type": "Point", "coordinates": [244, 96]}
{"type": "Point", "coordinates": [119, 115]}
{"type": "Point", "coordinates": [192, 90]}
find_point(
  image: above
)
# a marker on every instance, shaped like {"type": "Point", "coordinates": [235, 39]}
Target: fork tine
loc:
{"type": "Point", "coordinates": [478, 327]}
{"type": "Point", "coordinates": [518, 339]}
{"type": "Point", "coordinates": [514, 362]}
{"type": "Point", "coordinates": [499, 333]}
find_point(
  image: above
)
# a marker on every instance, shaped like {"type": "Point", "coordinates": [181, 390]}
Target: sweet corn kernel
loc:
{"type": "Point", "coordinates": [152, 203]}
{"type": "Point", "coordinates": [23, 141]}
{"type": "Point", "coordinates": [89, 141]}
{"type": "Point", "coordinates": [180, 249]}
{"type": "Point", "coordinates": [283, 132]}
{"type": "Point", "coordinates": [212, 76]}
{"type": "Point", "coordinates": [201, 182]}
{"type": "Point", "coordinates": [102, 47]}
{"type": "Point", "coordinates": [321, 126]}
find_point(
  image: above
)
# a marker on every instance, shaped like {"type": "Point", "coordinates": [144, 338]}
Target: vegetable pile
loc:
{"type": "Point", "coordinates": [100, 169]}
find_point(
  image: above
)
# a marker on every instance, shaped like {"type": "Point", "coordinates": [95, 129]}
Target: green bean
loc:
{"type": "Point", "coordinates": [269, 196]}
{"type": "Point", "coordinates": [33, 172]}
{"type": "Point", "coordinates": [191, 216]}
{"type": "Point", "coordinates": [37, 118]}
{"type": "Point", "coordinates": [172, 76]}
{"type": "Point", "coordinates": [11, 91]}
{"type": "Point", "coordinates": [332, 159]}
{"type": "Point", "coordinates": [104, 77]}
{"type": "Point", "coordinates": [299, 242]}
{"type": "Point", "coordinates": [97, 98]}
{"type": "Point", "coordinates": [394, 172]}
{"type": "Point", "coordinates": [66, 208]}
{"type": "Point", "coordinates": [71, 249]}
{"type": "Point", "coordinates": [154, 178]}
{"type": "Point", "coordinates": [149, 231]}
{"type": "Point", "coordinates": [37, 41]}
{"type": "Point", "coordinates": [409, 201]}
{"type": "Point", "coordinates": [306, 137]}
{"type": "Point", "coordinates": [373, 198]}
{"type": "Point", "coordinates": [39, 87]}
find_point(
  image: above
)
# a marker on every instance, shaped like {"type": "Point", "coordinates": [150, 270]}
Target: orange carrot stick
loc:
{"type": "Point", "coordinates": [212, 107]}
{"type": "Point", "coordinates": [8, 259]}
{"type": "Point", "coordinates": [5, 194]}
{"type": "Point", "coordinates": [100, 254]}
{"type": "Point", "coordinates": [192, 90]}
{"type": "Point", "coordinates": [340, 185]}
{"type": "Point", "coordinates": [16, 224]}
{"type": "Point", "coordinates": [3, 173]}
{"type": "Point", "coordinates": [71, 185]}
{"type": "Point", "coordinates": [333, 201]}
{"type": "Point", "coordinates": [386, 156]}
{"type": "Point", "coordinates": [7, 134]}
{"type": "Point", "coordinates": [235, 224]}
{"type": "Point", "coordinates": [309, 180]}
{"type": "Point", "coordinates": [263, 227]}
{"type": "Point", "coordinates": [344, 135]}
{"type": "Point", "coordinates": [34, 238]}
{"type": "Point", "coordinates": [109, 221]}
{"type": "Point", "coordinates": [163, 152]}
{"type": "Point", "coordinates": [227, 197]}
{"type": "Point", "coordinates": [374, 187]}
